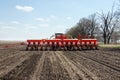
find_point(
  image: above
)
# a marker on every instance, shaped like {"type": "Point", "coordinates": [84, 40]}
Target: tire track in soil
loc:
{"type": "Point", "coordinates": [102, 71]}
{"type": "Point", "coordinates": [59, 71]}
{"type": "Point", "coordinates": [114, 67]}
{"type": "Point", "coordinates": [11, 63]}
{"type": "Point", "coordinates": [105, 57]}
{"type": "Point", "coordinates": [6, 54]}
{"type": "Point", "coordinates": [23, 71]}
{"type": "Point", "coordinates": [110, 53]}
{"type": "Point", "coordinates": [52, 69]}
{"type": "Point", "coordinates": [83, 69]}
{"type": "Point", "coordinates": [75, 72]}
{"type": "Point", "coordinates": [39, 67]}
{"type": "Point", "coordinates": [46, 73]}
{"type": "Point", "coordinates": [73, 75]}
{"type": "Point", "coordinates": [9, 57]}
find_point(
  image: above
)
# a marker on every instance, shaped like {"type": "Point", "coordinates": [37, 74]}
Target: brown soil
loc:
{"type": "Point", "coordinates": [18, 64]}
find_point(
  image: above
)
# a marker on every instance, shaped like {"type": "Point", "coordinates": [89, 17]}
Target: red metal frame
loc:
{"type": "Point", "coordinates": [62, 41]}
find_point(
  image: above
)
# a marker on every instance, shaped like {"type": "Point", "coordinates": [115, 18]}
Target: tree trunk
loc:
{"type": "Point", "coordinates": [108, 40]}
{"type": "Point", "coordinates": [105, 39]}
{"type": "Point", "coordinates": [105, 42]}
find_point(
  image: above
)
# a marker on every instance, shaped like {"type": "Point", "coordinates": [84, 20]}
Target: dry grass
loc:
{"type": "Point", "coordinates": [110, 45]}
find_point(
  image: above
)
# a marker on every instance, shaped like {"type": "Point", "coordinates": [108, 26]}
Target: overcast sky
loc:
{"type": "Point", "coordinates": [36, 19]}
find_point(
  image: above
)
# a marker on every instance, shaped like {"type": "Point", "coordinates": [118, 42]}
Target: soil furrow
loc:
{"type": "Point", "coordinates": [39, 67]}
{"type": "Point", "coordinates": [18, 64]}
{"type": "Point", "coordinates": [13, 64]}
{"type": "Point", "coordinates": [110, 65]}
{"type": "Point", "coordinates": [103, 57]}
{"type": "Point", "coordinates": [6, 54]}
{"type": "Point", "coordinates": [25, 70]}
{"type": "Point", "coordinates": [59, 71]}
{"type": "Point", "coordinates": [11, 60]}
{"type": "Point", "coordinates": [80, 71]}
{"type": "Point", "coordinates": [100, 70]}
{"type": "Point", "coordinates": [52, 69]}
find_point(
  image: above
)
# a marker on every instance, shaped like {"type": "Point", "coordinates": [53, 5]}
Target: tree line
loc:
{"type": "Point", "coordinates": [104, 26]}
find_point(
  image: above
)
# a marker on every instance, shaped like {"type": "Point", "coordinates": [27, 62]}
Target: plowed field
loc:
{"type": "Point", "coordinates": [18, 64]}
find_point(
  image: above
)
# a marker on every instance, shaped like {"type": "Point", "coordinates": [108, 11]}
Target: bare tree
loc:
{"type": "Point", "coordinates": [86, 26]}
{"type": "Point", "coordinates": [93, 24]}
{"type": "Point", "coordinates": [109, 23]}
{"type": "Point", "coordinates": [72, 32]}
